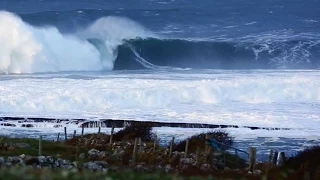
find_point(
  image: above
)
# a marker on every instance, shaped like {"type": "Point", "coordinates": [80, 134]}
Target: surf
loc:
{"type": "Point", "coordinates": [118, 43]}
{"type": "Point", "coordinates": [32, 49]}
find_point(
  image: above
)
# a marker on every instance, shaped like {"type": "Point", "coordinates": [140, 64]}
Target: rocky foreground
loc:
{"type": "Point", "coordinates": [94, 157]}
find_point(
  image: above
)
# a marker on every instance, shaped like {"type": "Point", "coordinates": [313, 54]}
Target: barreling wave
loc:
{"type": "Point", "coordinates": [117, 43]}
{"type": "Point", "coordinates": [293, 54]}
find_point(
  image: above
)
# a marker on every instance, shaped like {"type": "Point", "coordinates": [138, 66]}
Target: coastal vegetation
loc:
{"type": "Point", "coordinates": [135, 153]}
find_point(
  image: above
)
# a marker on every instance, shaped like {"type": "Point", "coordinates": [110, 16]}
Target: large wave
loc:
{"type": "Point", "coordinates": [236, 54]}
{"type": "Point", "coordinates": [29, 49]}
{"type": "Point", "coordinates": [119, 43]}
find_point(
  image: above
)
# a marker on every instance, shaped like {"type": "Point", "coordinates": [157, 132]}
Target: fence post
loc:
{"type": "Point", "coordinates": [269, 162]}
{"type": "Point", "coordinates": [154, 145]}
{"type": "Point", "coordinates": [281, 159]}
{"type": "Point", "coordinates": [171, 147]}
{"type": "Point", "coordinates": [207, 148]}
{"type": "Point", "coordinates": [140, 145]}
{"type": "Point", "coordinates": [77, 152]}
{"type": "Point", "coordinates": [82, 132]}
{"type": "Point", "coordinates": [134, 150]}
{"type": "Point", "coordinates": [198, 157]}
{"type": "Point", "coordinates": [99, 130]}
{"type": "Point", "coordinates": [270, 157]}
{"type": "Point", "coordinates": [275, 156]}
{"type": "Point", "coordinates": [58, 138]}
{"type": "Point", "coordinates": [40, 145]}
{"type": "Point", "coordinates": [65, 133]}
{"type": "Point", "coordinates": [111, 135]}
{"type": "Point", "coordinates": [186, 148]}
{"type": "Point", "coordinates": [237, 158]}
{"type": "Point", "coordinates": [252, 158]}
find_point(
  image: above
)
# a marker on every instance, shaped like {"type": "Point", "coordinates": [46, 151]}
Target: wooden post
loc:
{"type": "Point", "coordinates": [40, 145]}
{"type": "Point", "coordinates": [74, 133]}
{"type": "Point", "coordinates": [140, 145]}
{"type": "Point", "coordinates": [270, 157]}
{"type": "Point", "coordinates": [58, 138]}
{"type": "Point", "coordinates": [282, 158]}
{"type": "Point", "coordinates": [275, 156]}
{"type": "Point", "coordinates": [206, 148]}
{"type": "Point", "coordinates": [186, 148]}
{"type": "Point", "coordinates": [134, 150]}
{"type": "Point", "coordinates": [82, 132]}
{"type": "Point", "coordinates": [154, 145]}
{"type": "Point", "coordinates": [252, 158]}
{"type": "Point", "coordinates": [269, 162]}
{"type": "Point", "coordinates": [198, 157]}
{"type": "Point", "coordinates": [65, 133]}
{"type": "Point", "coordinates": [237, 158]}
{"type": "Point", "coordinates": [111, 135]}
{"type": "Point", "coordinates": [171, 147]}
{"type": "Point", "coordinates": [77, 152]}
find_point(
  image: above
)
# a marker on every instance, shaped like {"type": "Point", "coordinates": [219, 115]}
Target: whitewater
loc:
{"type": "Point", "coordinates": [30, 49]}
{"type": "Point", "coordinates": [54, 74]}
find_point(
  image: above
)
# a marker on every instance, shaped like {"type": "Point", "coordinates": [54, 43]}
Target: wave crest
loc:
{"type": "Point", "coordinates": [29, 49]}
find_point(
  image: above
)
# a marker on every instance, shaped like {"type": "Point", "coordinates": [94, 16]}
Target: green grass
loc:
{"type": "Point", "coordinates": [49, 148]}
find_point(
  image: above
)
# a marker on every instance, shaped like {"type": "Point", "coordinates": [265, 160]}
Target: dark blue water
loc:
{"type": "Point", "coordinates": [230, 34]}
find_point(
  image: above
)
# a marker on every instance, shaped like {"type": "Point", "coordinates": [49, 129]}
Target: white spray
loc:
{"type": "Point", "coordinates": [28, 49]}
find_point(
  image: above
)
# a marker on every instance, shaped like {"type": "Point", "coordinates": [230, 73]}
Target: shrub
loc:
{"type": "Point", "coordinates": [306, 160]}
{"type": "Point", "coordinates": [198, 141]}
{"type": "Point", "coordinates": [135, 130]}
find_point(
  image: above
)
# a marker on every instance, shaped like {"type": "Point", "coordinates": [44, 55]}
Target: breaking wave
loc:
{"type": "Point", "coordinates": [117, 43]}
{"type": "Point", "coordinates": [29, 49]}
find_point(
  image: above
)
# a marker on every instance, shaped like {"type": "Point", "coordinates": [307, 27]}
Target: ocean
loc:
{"type": "Point", "coordinates": [238, 63]}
